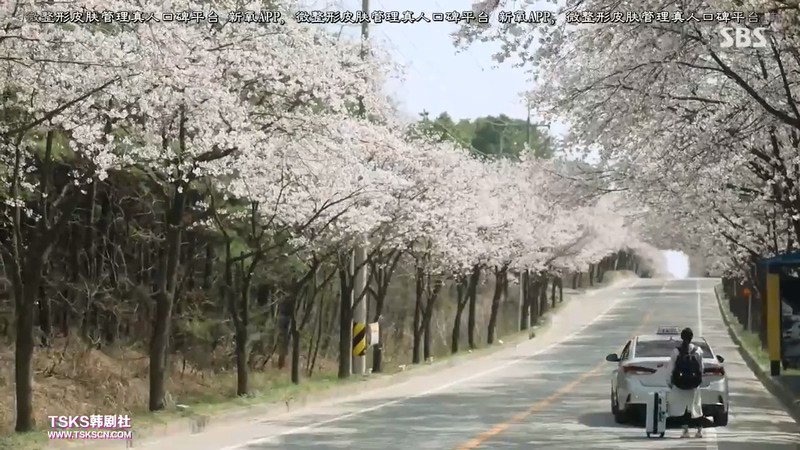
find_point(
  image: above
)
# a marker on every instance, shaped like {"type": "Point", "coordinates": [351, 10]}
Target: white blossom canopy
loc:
{"type": "Point", "coordinates": [271, 114]}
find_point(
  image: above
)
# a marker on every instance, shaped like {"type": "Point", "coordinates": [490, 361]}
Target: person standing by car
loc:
{"type": "Point", "coordinates": [685, 375]}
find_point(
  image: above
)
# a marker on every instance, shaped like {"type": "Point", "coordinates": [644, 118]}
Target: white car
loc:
{"type": "Point", "coordinates": [641, 370]}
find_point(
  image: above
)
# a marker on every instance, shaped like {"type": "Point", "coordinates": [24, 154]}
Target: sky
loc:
{"type": "Point", "coordinates": [466, 85]}
{"type": "Point", "coordinates": [677, 263]}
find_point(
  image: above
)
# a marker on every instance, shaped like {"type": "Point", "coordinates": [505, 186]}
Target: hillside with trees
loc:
{"type": "Point", "coordinates": [181, 204]}
{"type": "Point", "coordinates": [499, 136]}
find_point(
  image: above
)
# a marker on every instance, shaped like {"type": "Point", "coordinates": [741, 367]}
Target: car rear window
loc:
{"type": "Point", "coordinates": [656, 349]}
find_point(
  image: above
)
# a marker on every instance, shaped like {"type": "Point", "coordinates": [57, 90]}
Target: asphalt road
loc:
{"type": "Point", "coordinates": [550, 392]}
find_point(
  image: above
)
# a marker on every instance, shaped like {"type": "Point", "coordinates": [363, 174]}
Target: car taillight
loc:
{"type": "Point", "coordinates": [638, 370]}
{"type": "Point", "coordinates": [717, 371]}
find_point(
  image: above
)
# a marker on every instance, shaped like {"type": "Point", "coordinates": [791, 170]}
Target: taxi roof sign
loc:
{"type": "Point", "coordinates": [668, 330]}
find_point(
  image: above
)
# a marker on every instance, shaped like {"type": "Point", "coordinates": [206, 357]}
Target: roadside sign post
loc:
{"type": "Point", "coordinates": [747, 293]}
{"type": "Point", "coordinates": [774, 323]}
{"type": "Point", "coordinates": [374, 333]}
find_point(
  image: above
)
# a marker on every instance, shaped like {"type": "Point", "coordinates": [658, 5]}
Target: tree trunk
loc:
{"type": "Point", "coordinates": [23, 351]}
{"type": "Point", "coordinates": [45, 316]}
{"type": "Point", "coordinates": [499, 285]}
{"type": "Point", "coordinates": [208, 267]}
{"type": "Point", "coordinates": [74, 275]}
{"type": "Point", "coordinates": [472, 294]}
{"type": "Point", "coordinates": [601, 269]}
{"type": "Point", "coordinates": [110, 326]}
{"type": "Point", "coordinates": [25, 281]}
{"type": "Point", "coordinates": [591, 274]}
{"type": "Point", "coordinates": [89, 308]}
{"type": "Point", "coordinates": [560, 290]}
{"type": "Point", "coordinates": [191, 258]}
{"type": "Point", "coordinates": [432, 295]}
{"type": "Point", "coordinates": [285, 312]}
{"type": "Point", "coordinates": [543, 306]}
{"type": "Point", "coordinates": [575, 278]}
{"type": "Point", "coordinates": [556, 282]}
{"type": "Point", "coordinates": [317, 339]}
{"type": "Point", "coordinates": [505, 287]}
{"type": "Point", "coordinates": [461, 302]}
{"type": "Point", "coordinates": [524, 300]}
{"type": "Point", "coordinates": [419, 279]}
{"type": "Point", "coordinates": [242, 375]}
{"type": "Point", "coordinates": [345, 321]}
{"type": "Point", "coordinates": [533, 298]}
{"type": "Point", "coordinates": [239, 311]}
{"type": "Point", "coordinates": [331, 325]}
{"type": "Point", "coordinates": [164, 297]}
{"type": "Point", "coordinates": [295, 354]}
{"type": "Point", "coordinates": [427, 347]}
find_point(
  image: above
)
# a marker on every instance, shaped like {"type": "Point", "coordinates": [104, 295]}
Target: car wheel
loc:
{"type": "Point", "coordinates": [721, 419]}
{"type": "Point", "coordinates": [619, 416]}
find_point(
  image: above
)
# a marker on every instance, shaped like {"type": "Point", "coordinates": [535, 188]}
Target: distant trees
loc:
{"type": "Point", "coordinates": [495, 136]}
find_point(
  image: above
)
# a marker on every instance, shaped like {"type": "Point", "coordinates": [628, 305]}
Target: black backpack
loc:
{"type": "Point", "coordinates": [687, 375]}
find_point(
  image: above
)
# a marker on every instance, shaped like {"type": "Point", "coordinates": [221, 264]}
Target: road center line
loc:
{"type": "Point", "coordinates": [711, 437]}
{"type": "Point", "coordinates": [544, 403]}
{"type": "Point", "coordinates": [699, 308]}
{"type": "Point", "coordinates": [443, 387]}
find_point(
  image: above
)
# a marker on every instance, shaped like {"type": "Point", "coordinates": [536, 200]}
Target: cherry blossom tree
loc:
{"type": "Point", "coordinates": [56, 84]}
{"type": "Point", "coordinates": [675, 115]}
{"type": "Point", "coordinates": [179, 103]}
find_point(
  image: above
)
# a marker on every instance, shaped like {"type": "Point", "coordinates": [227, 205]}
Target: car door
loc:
{"type": "Point", "coordinates": [621, 384]}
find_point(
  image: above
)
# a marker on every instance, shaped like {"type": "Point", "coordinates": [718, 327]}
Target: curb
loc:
{"type": "Point", "coordinates": [199, 422]}
{"type": "Point", "coordinates": [775, 387]}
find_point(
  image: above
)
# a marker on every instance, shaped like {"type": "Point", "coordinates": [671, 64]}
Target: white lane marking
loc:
{"type": "Point", "coordinates": [699, 309]}
{"type": "Point", "coordinates": [711, 438]}
{"type": "Point", "coordinates": [359, 412]}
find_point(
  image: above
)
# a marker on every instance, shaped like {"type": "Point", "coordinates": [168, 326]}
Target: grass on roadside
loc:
{"type": "Point", "coordinates": [34, 440]}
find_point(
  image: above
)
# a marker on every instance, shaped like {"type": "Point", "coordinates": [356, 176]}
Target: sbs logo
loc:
{"type": "Point", "coordinates": [741, 37]}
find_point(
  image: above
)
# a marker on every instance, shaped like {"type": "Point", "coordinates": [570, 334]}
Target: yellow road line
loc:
{"type": "Point", "coordinates": [544, 403]}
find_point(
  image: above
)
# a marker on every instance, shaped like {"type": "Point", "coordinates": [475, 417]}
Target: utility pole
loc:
{"type": "Point", "coordinates": [528, 130]}
{"type": "Point", "coordinates": [360, 311]}
{"type": "Point", "coordinates": [501, 141]}
{"type": "Point", "coordinates": [360, 254]}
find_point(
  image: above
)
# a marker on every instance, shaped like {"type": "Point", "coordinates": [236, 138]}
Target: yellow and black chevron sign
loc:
{"type": "Point", "coordinates": [359, 339]}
